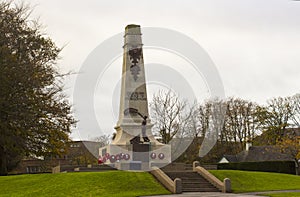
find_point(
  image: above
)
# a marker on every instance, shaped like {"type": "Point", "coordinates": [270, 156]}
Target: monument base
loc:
{"type": "Point", "coordinates": [136, 156]}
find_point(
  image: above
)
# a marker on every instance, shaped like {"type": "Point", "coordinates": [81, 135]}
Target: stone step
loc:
{"type": "Point", "coordinates": [200, 190]}
{"type": "Point", "coordinates": [183, 166]}
{"type": "Point", "coordinates": [197, 187]}
{"type": "Point", "coordinates": [188, 167]}
{"type": "Point", "coordinates": [191, 186]}
{"type": "Point", "coordinates": [177, 167]}
{"type": "Point", "coordinates": [210, 167]}
{"type": "Point", "coordinates": [192, 181]}
{"type": "Point", "coordinates": [185, 174]}
{"type": "Point", "coordinates": [196, 183]}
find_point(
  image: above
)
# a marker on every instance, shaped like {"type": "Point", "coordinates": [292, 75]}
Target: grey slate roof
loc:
{"type": "Point", "coordinates": [231, 158]}
{"type": "Point", "coordinates": [259, 153]}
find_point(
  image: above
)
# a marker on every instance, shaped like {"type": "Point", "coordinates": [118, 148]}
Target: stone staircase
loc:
{"type": "Point", "coordinates": [191, 181]}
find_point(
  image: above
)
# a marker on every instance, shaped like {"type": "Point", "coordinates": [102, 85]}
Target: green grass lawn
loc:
{"type": "Point", "coordinates": [111, 183]}
{"type": "Point", "coordinates": [246, 181]}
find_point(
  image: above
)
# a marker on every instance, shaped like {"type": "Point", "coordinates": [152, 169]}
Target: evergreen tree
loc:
{"type": "Point", "coordinates": [35, 117]}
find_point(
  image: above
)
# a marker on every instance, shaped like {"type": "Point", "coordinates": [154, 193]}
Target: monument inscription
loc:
{"type": "Point", "coordinates": [136, 96]}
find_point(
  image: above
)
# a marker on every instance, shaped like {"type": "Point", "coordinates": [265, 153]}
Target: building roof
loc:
{"type": "Point", "coordinates": [231, 158]}
{"type": "Point", "coordinates": [91, 146]}
{"type": "Point", "coordinates": [259, 153]}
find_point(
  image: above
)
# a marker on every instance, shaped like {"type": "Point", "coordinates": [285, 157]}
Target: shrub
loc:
{"type": "Point", "coordinates": [287, 167]}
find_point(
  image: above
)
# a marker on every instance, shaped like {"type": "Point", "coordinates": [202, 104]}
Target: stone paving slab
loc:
{"type": "Point", "coordinates": [272, 192]}
{"type": "Point", "coordinates": [219, 194]}
{"type": "Point", "coordinates": [205, 194]}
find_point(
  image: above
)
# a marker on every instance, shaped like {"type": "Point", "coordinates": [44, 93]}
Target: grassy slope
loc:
{"type": "Point", "coordinates": [245, 181]}
{"type": "Point", "coordinates": [112, 183]}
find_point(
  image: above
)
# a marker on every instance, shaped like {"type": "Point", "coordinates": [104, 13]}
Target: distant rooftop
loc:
{"type": "Point", "coordinates": [258, 154]}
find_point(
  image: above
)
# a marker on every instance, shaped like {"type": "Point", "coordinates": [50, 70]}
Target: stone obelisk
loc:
{"type": "Point", "coordinates": [134, 146]}
{"type": "Point", "coordinates": [133, 100]}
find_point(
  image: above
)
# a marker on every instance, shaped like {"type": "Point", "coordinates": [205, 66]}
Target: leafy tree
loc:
{"type": "Point", "coordinates": [35, 116]}
{"type": "Point", "coordinates": [290, 145]}
{"type": "Point", "coordinates": [275, 117]}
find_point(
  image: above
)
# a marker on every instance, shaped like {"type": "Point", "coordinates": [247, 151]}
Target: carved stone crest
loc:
{"type": "Point", "coordinates": [134, 56]}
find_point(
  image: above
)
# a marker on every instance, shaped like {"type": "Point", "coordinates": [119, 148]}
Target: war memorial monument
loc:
{"type": "Point", "coordinates": [134, 146]}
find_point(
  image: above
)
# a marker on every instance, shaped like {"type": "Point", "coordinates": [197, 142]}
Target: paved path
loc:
{"type": "Point", "coordinates": [271, 192]}
{"type": "Point", "coordinates": [219, 194]}
{"type": "Point", "coordinates": [206, 194]}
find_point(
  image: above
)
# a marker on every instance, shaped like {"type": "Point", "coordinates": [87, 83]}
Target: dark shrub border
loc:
{"type": "Point", "coordinates": [287, 167]}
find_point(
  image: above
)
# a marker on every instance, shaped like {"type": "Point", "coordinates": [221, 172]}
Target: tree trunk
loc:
{"type": "Point", "coordinates": [3, 162]}
{"type": "Point", "coordinates": [297, 166]}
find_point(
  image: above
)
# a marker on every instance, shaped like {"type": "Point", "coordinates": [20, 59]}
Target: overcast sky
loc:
{"type": "Point", "coordinates": [254, 44]}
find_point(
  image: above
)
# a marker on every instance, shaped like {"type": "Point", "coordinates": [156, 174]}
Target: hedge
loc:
{"type": "Point", "coordinates": [287, 167]}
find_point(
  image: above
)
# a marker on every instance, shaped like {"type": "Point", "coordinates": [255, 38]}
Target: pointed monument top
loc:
{"type": "Point", "coordinates": [133, 29]}
{"type": "Point", "coordinates": [132, 26]}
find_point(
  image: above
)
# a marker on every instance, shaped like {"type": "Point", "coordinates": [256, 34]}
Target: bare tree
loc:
{"type": "Point", "coordinates": [241, 123]}
{"type": "Point", "coordinates": [199, 119]}
{"type": "Point", "coordinates": [295, 102]}
{"type": "Point", "coordinates": [170, 115]}
{"type": "Point", "coordinates": [215, 114]}
{"type": "Point", "coordinates": [103, 140]}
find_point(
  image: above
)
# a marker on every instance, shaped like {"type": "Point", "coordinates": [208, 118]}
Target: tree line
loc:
{"type": "Point", "coordinates": [231, 122]}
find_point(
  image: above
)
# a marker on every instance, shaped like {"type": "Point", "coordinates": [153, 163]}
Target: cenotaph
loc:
{"type": "Point", "coordinates": [134, 146]}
